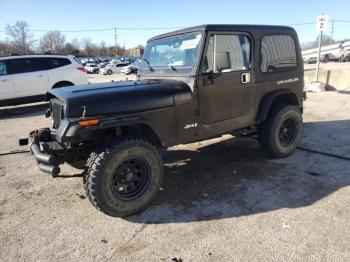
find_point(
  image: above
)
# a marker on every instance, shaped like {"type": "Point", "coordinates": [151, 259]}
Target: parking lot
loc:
{"type": "Point", "coordinates": [222, 199]}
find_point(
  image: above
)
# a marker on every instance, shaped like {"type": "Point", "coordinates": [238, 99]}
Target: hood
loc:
{"type": "Point", "coordinates": [118, 97]}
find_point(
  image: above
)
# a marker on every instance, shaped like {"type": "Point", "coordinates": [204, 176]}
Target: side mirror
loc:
{"type": "Point", "coordinates": [223, 61]}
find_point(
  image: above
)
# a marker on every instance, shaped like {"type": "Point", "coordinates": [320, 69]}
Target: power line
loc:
{"type": "Point", "coordinates": [307, 23]}
{"type": "Point", "coordinates": [151, 28]}
{"type": "Point", "coordinates": [344, 21]}
{"type": "Point", "coordinates": [74, 31]}
{"type": "Point", "coordinates": [106, 29]}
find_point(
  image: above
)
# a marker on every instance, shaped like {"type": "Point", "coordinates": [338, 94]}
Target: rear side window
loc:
{"type": "Point", "coordinates": [278, 53]}
{"type": "Point", "coordinates": [26, 65]}
{"type": "Point", "coordinates": [57, 62]}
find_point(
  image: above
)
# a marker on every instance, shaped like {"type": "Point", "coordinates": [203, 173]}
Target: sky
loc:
{"type": "Point", "coordinates": [65, 15]}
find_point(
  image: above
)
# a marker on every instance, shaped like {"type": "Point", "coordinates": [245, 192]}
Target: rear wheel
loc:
{"type": "Point", "coordinates": [123, 178]}
{"type": "Point", "coordinates": [326, 59]}
{"type": "Point", "coordinates": [281, 131]}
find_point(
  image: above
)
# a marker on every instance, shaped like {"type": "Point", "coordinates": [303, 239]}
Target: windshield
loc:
{"type": "Point", "coordinates": [175, 51]}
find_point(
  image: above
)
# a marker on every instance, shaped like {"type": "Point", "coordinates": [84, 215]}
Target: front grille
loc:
{"type": "Point", "coordinates": [57, 112]}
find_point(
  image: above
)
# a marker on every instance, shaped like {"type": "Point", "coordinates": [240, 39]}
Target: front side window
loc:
{"type": "Point", "coordinates": [277, 53]}
{"type": "Point", "coordinates": [2, 69]}
{"type": "Point", "coordinates": [237, 49]}
{"type": "Point", "coordinates": [175, 51]}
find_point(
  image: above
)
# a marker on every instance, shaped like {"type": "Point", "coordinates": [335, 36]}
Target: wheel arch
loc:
{"type": "Point", "coordinates": [273, 98]}
{"type": "Point", "coordinates": [121, 127]}
{"type": "Point", "coordinates": [62, 84]}
{"type": "Point", "coordinates": [144, 129]}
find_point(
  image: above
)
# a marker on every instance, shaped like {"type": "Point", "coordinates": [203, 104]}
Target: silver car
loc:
{"type": "Point", "coordinates": [112, 68]}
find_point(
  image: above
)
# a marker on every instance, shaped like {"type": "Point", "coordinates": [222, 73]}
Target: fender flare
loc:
{"type": "Point", "coordinates": [76, 130]}
{"type": "Point", "coordinates": [268, 100]}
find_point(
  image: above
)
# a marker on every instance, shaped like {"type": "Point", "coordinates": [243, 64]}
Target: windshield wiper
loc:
{"type": "Point", "coordinates": [148, 64]}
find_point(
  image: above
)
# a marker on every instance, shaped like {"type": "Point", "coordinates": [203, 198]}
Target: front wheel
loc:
{"type": "Point", "coordinates": [280, 133]}
{"type": "Point", "coordinates": [109, 72]}
{"type": "Point", "coordinates": [122, 179]}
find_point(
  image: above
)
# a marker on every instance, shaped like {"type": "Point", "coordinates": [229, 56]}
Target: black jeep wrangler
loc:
{"type": "Point", "coordinates": [193, 84]}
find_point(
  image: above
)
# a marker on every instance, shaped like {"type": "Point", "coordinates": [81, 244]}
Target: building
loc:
{"type": "Point", "coordinates": [136, 52]}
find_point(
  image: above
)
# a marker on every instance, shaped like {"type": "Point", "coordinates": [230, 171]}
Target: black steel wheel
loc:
{"type": "Point", "coordinates": [122, 177]}
{"type": "Point", "coordinates": [288, 132]}
{"type": "Point", "coordinates": [280, 133]}
{"type": "Point", "coordinates": [131, 178]}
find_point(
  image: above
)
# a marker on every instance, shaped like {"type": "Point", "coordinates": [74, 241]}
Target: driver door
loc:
{"type": "Point", "coordinates": [225, 94]}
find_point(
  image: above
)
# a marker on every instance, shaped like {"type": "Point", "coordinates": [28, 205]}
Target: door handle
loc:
{"type": "Point", "coordinates": [40, 76]}
{"type": "Point", "coordinates": [5, 80]}
{"type": "Point", "coordinates": [245, 78]}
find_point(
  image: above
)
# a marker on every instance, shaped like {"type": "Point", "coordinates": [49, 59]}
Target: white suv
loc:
{"type": "Point", "coordinates": [26, 79]}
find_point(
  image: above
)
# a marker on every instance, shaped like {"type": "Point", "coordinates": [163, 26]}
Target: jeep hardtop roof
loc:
{"type": "Point", "coordinates": [258, 30]}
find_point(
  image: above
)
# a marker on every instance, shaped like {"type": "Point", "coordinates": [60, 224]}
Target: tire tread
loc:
{"type": "Point", "coordinates": [94, 167]}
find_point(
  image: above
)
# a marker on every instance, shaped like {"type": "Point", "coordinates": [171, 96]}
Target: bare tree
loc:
{"type": "Point", "coordinates": [326, 40]}
{"type": "Point", "coordinates": [53, 41]}
{"type": "Point", "coordinates": [69, 49]}
{"type": "Point", "coordinates": [90, 49]}
{"type": "Point", "coordinates": [103, 49]}
{"type": "Point", "coordinates": [6, 48]}
{"type": "Point", "coordinates": [21, 36]}
{"type": "Point", "coordinates": [75, 43]}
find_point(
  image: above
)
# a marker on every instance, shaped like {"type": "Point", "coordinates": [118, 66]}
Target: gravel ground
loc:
{"type": "Point", "coordinates": [222, 200]}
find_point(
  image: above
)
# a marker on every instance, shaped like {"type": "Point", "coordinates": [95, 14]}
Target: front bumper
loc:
{"type": "Point", "coordinates": [46, 162]}
{"type": "Point", "coordinates": [46, 150]}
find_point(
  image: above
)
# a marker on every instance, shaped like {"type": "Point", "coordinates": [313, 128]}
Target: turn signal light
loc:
{"type": "Point", "coordinates": [92, 122]}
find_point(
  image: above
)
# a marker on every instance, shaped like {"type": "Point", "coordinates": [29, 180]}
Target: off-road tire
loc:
{"type": "Point", "coordinates": [101, 168]}
{"type": "Point", "coordinates": [269, 131]}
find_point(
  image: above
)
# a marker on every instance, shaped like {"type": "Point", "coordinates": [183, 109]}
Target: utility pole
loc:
{"type": "Point", "coordinates": [124, 49]}
{"type": "Point", "coordinates": [318, 55]}
{"type": "Point", "coordinates": [321, 26]}
{"type": "Point", "coordinates": [332, 30]}
{"type": "Point", "coordinates": [115, 42]}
